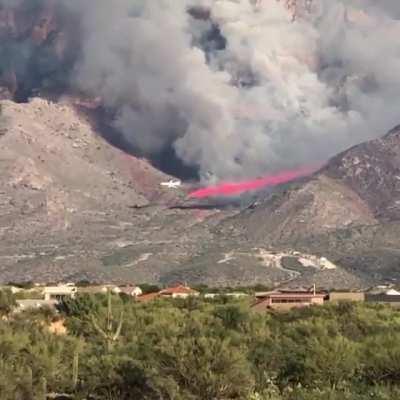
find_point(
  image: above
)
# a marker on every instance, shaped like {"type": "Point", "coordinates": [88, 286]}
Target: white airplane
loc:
{"type": "Point", "coordinates": [172, 184]}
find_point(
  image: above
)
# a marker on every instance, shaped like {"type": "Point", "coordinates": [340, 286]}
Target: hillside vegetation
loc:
{"type": "Point", "coordinates": [198, 350]}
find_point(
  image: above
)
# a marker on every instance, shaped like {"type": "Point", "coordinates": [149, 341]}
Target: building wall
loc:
{"type": "Point", "coordinates": [184, 295]}
{"type": "Point", "coordinates": [394, 301]}
{"type": "Point", "coordinates": [289, 306]}
{"type": "Point", "coordinates": [317, 301]}
{"type": "Point", "coordinates": [58, 292]}
{"type": "Point", "coordinates": [346, 296]}
{"type": "Point", "coordinates": [290, 303]}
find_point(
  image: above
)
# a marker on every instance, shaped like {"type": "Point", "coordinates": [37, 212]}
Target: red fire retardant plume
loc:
{"type": "Point", "coordinates": [232, 188]}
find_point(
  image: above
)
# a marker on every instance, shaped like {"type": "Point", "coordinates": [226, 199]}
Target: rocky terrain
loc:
{"type": "Point", "coordinates": [73, 207]}
{"type": "Point", "coordinates": [348, 211]}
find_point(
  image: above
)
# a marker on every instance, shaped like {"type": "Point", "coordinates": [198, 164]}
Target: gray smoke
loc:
{"type": "Point", "coordinates": [236, 86]}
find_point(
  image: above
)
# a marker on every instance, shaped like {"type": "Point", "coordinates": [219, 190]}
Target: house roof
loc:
{"type": "Point", "coordinates": [59, 289]}
{"type": "Point", "coordinates": [180, 289]}
{"type": "Point", "coordinates": [92, 289]}
{"type": "Point", "coordinates": [392, 292]}
{"type": "Point", "coordinates": [294, 295]}
{"type": "Point", "coordinates": [130, 289]}
{"type": "Point", "coordinates": [291, 295]}
{"type": "Point", "coordinates": [288, 293]}
{"type": "Point", "coordinates": [147, 297]}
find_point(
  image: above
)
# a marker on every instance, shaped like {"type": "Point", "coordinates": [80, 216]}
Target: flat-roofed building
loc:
{"type": "Point", "coordinates": [59, 292]}
{"type": "Point", "coordinates": [235, 295]}
{"type": "Point", "coordinates": [179, 291]}
{"type": "Point", "coordinates": [390, 297]}
{"type": "Point", "coordinates": [346, 296]}
{"type": "Point", "coordinates": [287, 300]}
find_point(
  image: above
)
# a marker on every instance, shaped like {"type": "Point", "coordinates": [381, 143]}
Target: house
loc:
{"type": "Point", "coordinates": [23, 305]}
{"type": "Point", "coordinates": [59, 292]}
{"type": "Point", "coordinates": [133, 291]}
{"type": "Point", "coordinates": [175, 292]}
{"type": "Point", "coordinates": [286, 300]}
{"type": "Point", "coordinates": [235, 295]}
{"type": "Point", "coordinates": [179, 291]}
{"type": "Point", "coordinates": [92, 289]}
{"type": "Point", "coordinates": [12, 289]}
{"type": "Point", "coordinates": [144, 298]}
{"type": "Point", "coordinates": [130, 290]}
{"type": "Point", "coordinates": [99, 289]}
{"type": "Point", "coordinates": [391, 297]}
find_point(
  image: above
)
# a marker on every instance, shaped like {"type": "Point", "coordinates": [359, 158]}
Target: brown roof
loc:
{"type": "Point", "coordinates": [178, 290]}
{"type": "Point", "coordinates": [147, 297]}
{"type": "Point", "coordinates": [294, 295]}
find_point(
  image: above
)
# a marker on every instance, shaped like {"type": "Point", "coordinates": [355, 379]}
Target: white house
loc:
{"type": "Point", "coordinates": [23, 305]}
{"type": "Point", "coordinates": [133, 291]}
{"type": "Point", "coordinates": [59, 292]}
{"type": "Point", "coordinates": [179, 291]}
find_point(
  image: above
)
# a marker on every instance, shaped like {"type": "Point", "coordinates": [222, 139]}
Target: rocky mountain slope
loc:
{"type": "Point", "coordinates": [62, 183]}
{"type": "Point", "coordinates": [348, 211]}
{"type": "Point", "coordinates": [73, 207]}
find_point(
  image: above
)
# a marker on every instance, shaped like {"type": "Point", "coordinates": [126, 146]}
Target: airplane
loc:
{"type": "Point", "coordinates": [172, 184]}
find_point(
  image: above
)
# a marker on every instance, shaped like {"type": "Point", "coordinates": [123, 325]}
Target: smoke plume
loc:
{"type": "Point", "coordinates": [240, 88]}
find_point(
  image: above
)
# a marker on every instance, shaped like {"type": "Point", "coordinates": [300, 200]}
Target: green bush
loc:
{"type": "Point", "coordinates": [200, 350]}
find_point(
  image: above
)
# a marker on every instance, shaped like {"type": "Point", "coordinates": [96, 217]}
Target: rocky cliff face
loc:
{"type": "Point", "coordinates": [35, 46]}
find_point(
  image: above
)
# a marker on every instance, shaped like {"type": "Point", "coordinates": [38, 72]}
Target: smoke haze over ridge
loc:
{"type": "Point", "coordinates": [238, 88]}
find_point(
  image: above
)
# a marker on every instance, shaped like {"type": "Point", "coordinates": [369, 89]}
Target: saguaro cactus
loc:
{"type": "Point", "coordinates": [110, 333]}
{"type": "Point", "coordinates": [28, 384]}
{"type": "Point", "coordinates": [43, 393]}
{"type": "Point", "coordinates": [75, 369]}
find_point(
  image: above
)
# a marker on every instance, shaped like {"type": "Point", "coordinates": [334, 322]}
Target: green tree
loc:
{"type": "Point", "coordinates": [202, 368]}
{"type": "Point", "coordinates": [7, 302]}
{"type": "Point", "coordinates": [381, 358]}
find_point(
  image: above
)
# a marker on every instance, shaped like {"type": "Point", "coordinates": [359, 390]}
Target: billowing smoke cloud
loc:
{"type": "Point", "coordinates": [238, 87]}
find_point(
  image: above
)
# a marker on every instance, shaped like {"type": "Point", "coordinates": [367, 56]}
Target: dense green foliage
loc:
{"type": "Point", "coordinates": [202, 350]}
{"type": "Point", "coordinates": [7, 302]}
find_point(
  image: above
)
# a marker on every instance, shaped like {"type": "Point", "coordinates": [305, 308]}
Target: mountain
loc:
{"type": "Point", "coordinates": [74, 207]}
{"type": "Point", "coordinates": [64, 189]}
{"type": "Point", "coordinates": [348, 211]}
